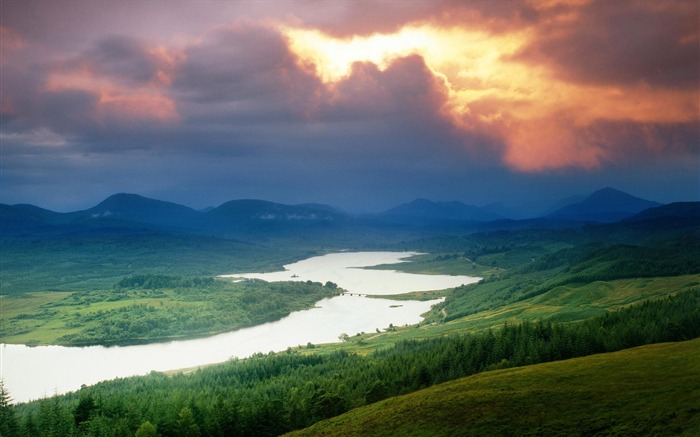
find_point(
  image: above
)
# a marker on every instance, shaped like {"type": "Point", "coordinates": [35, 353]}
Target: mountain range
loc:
{"type": "Point", "coordinates": [132, 211]}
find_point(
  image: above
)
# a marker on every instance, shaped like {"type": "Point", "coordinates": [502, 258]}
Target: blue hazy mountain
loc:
{"type": "Point", "coordinates": [605, 205]}
{"type": "Point", "coordinates": [139, 209]}
{"type": "Point", "coordinates": [676, 210]}
{"type": "Point", "coordinates": [251, 218]}
{"type": "Point", "coordinates": [424, 211]}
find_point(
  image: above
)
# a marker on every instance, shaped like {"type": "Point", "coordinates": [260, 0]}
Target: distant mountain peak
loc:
{"type": "Point", "coordinates": [605, 205]}
{"type": "Point", "coordinates": [140, 209]}
{"type": "Point", "coordinates": [612, 195]}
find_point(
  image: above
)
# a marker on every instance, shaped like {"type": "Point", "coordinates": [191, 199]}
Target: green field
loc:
{"type": "Point", "coordinates": [650, 390]}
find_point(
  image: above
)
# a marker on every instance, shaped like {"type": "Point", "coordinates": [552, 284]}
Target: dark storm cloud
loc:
{"type": "Point", "coordinates": [241, 90]}
{"type": "Point", "coordinates": [399, 113]}
{"type": "Point", "coordinates": [246, 72]}
{"type": "Point", "coordinates": [97, 98]}
{"type": "Point", "coordinates": [622, 42]}
{"type": "Point", "coordinates": [405, 89]}
{"type": "Point", "coordinates": [123, 58]}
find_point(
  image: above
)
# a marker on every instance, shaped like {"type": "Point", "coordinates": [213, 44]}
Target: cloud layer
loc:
{"type": "Point", "coordinates": [267, 99]}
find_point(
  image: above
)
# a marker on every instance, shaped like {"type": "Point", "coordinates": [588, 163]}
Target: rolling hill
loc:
{"type": "Point", "coordinates": [594, 395]}
{"type": "Point", "coordinates": [677, 210]}
{"type": "Point", "coordinates": [139, 209]}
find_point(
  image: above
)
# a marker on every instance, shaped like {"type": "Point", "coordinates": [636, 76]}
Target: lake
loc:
{"type": "Point", "coordinates": [34, 372]}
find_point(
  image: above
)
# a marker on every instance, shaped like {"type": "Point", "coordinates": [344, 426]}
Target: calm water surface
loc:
{"type": "Point", "coordinates": [33, 372]}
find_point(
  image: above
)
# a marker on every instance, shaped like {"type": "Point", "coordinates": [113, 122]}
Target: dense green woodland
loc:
{"type": "Point", "coordinates": [275, 393]}
{"type": "Point", "coordinates": [152, 307]}
{"type": "Point", "coordinates": [216, 306]}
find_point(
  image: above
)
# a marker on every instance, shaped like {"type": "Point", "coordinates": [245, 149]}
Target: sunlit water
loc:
{"type": "Point", "coordinates": [33, 372]}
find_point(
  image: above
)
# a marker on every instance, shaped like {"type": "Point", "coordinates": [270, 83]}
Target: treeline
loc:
{"type": "Point", "coordinates": [607, 263]}
{"type": "Point", "coordinates": [275, 393]}
{"type": "Point", "coordinates": [594, 262]}
{"type": "Point", "coordinates": [669, 258]}
{"type": "Point", "coordinates": [153, 282]}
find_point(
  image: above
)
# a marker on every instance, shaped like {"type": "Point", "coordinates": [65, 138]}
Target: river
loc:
{"type": "Point", "coordinates": [34, 372]}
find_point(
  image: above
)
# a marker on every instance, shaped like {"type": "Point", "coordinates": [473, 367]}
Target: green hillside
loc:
{"type": "Point", "coordinates": [280, 392]}
{"type": "Point", "coordinates": [650, 390]}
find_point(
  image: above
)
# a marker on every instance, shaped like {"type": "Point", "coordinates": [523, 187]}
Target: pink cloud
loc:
{"type": "Point", "coordinates": [129, 81]}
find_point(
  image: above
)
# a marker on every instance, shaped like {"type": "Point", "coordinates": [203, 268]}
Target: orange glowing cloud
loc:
{"type": "Point", "coordinates": [546, 144]}
{"type": "Point", "coordinates": [543, 120]}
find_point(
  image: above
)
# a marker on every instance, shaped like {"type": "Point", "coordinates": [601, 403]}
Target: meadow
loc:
{"type": "Point", "coordinates": [594, 395]}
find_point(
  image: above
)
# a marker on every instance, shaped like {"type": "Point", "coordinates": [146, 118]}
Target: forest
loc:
{"type": "Point", "coordinates": [279, 392]}
{"type": "Point", "coordinates": [151, 307]}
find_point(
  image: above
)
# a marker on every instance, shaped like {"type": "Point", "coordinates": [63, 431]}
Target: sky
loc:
{"type": "Point", "coordinates": [362, 105]}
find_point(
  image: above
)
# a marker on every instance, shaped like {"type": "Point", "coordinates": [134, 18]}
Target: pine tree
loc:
{"type": "Point", "coordinates": [186, 425]}
{"type": "Point", "coordinates": [8, 420]}
{"type": "Point", "coordinates": [147, 429]}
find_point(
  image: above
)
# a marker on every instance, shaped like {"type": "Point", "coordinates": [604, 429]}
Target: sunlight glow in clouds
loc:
{"type": "Point", "coordinates": [542, 120]}
{"type": "Point", "coordinates": [455, 52]}
{"type": "Point", "coordinates": [334, 57]}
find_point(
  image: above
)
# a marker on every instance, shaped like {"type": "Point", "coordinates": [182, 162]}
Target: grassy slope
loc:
{"type": "Point", "coordinates": [651, 390]}
{"type": "Point", "coordinates": [562, 304]}
{"type": "Point", "coordinates": [573, 302]}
